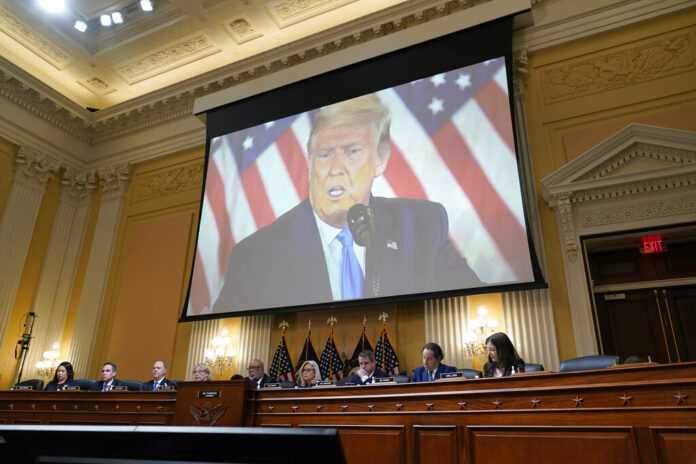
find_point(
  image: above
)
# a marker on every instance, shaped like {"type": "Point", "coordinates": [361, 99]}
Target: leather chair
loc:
{"type": "Point", "coordinates": [35, 384]}
{"type": "Point", "coordinates": [585, 363]}
{"type": "Point", "coordinates": [133, 385]}
{"type": "Point", "coordinates": [531, 367]}
{"type": "Point", "coordinates": [471, 373]}
{"type": "Point", "coordinates": [85, 384]}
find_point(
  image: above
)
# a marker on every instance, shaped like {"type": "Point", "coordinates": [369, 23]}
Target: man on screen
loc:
{"type": "Point", "coordinates": [309, 255]}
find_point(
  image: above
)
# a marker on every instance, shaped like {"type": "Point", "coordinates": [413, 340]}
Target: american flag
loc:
{"type": "Point", "coordinates": [451, 142]}
{"type": "Point", "coordinates": [385, 354]}
{"type": "Point", "coordinates": [363, 344]}
{"type": "Point", "coordinates": [308, 352]}
{"type": "Point", "coordinates": [281, 367]}
{"type": "Point", "coordinates": [331, 364]}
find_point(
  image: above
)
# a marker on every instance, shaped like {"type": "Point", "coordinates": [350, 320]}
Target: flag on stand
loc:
{"type": "Point", "coordinates": [451, 142]}
{"type": "Point", "coordinates": [385, 354]}
{"type": "Point", "coordinates": [363, 344]}
{"type": "Point", "coordinates": [308, 352]}
{"type": "Point", "coordinates": [331, 364]}
{"type": "Point", "coordinates": [281, 367]}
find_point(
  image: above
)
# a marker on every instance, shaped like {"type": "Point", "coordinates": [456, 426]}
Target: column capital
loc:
{"type": "Point", "coordinates": [33, 168]}
{"type": "Point", "coordinates": [519, 74]}
{"type": "Point", "coordinates": [78, 185]}
{"type": "Point", "coordinates": [114, 179]}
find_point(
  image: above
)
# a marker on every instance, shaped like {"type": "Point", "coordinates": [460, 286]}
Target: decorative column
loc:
{"type": "Point", "coordinates": [202, 333]}
{"type": "Point", "coordinates": [114, 183]}
{"type": "Point", "coordinates": [32, 171]}
{"type": "Point", "coordinates": [446, 323]}
{"type": "Point", "coordinates": [254, 341]}
{"type": "Point", "coordinates": [60, 263]}
{"type": "Point", "coordinates": [529, 324]}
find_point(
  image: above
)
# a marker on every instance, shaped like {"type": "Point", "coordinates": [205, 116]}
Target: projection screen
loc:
{"type": "Point", "coordinates": [421, 140]}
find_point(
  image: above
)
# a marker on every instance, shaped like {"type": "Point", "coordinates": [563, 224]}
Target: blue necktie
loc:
{"type": "Point", "coordinates": [352, 280]}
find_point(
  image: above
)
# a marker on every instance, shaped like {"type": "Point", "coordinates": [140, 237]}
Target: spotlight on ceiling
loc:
{"type": "Point", "coordinates": [53, 6]}
{"type": "Point", "coordinates": [117, 17]}
{"type": "Point", "coordinates": [147, 5]}
{"type": "Point", "coordinates": [105, 20]}
{"type": "Point", "coordinates": [80, 25]}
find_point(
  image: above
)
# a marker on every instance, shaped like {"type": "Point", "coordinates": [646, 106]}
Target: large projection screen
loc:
{"type": "Point", "coordinates": [422, 136]}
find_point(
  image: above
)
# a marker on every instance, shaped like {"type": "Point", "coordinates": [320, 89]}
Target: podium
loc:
{"type": "Point", "coordinates": [221, 403]}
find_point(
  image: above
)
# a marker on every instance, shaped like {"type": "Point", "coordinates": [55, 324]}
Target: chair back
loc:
{"type": "Point", "coordinates": [471, 373]}
{"type": "Point", "coordinates": [133, 385]}
{"type": "Point", "coordinates": [85, 384]}
{"type": "Point", "coordinates": [585, 363]}
{"type": "Point", "coordinates": [35, 384]}
{"type": "Point", "coordinates": [531, 367]}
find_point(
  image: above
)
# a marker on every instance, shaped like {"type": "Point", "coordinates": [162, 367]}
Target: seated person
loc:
{"type": "Point", "coordinates": [159, 381]}
{"type": "Point", "coordinates": [237, 377]}
{"type": "Point", "coordinates": [368, 369]}
{"type": "Point", "coordinates": [201, 372]}
{"type": "Point", "coordinates": [309, 374]}
{"type": "Point", "coordinates": [257, 374]}
{"type": "Point", "coordinates": [432, 364]}
{"type": "Point", "coordinates": [108, 380]}
{"type": "Point", "coordinates": [62, 378]}
{"type": "Point", "coordinates": [502, 357]}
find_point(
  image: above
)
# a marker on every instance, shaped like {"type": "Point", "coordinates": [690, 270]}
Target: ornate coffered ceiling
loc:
{"type": "Point", "coordinates": [150, 69]}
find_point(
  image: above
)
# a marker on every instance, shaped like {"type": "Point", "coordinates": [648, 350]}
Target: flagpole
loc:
{"type": "Point", "coordinates": [283, 325]}
{"type": "Point", "coordinates": [331, 321]}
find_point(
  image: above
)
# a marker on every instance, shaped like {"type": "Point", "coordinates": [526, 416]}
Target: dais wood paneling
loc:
{"type": "Point", "coordinates": [436, 443]}
{"type": "Point", "coordinates": [675, 445]}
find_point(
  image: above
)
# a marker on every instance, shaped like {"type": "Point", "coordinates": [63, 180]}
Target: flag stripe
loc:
{"type": "Point", "coordinates": [254, 189]}
{"type": "Point", "coordinates": [494, 103]}
{"type": "Point", "coordinates": [398, 173]}
{"type": "Point", "coordinates": [295, 162]}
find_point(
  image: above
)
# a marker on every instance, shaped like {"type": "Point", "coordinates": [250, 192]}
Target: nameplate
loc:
{"type": "Point", "coordinates": [271, 385]}
{"type": "Point", "coordinates": [71, 387]}
{"type": "Point", "coordinates": [384, 379]}
{"type": "Point", "coordinates": [119, 388]}
{"type": "Point", "coordinates": [451, 375]}
{"type": "Point", "coordinates": [22, 387]}
{"type": "Point", "coordinates": [324, 383]}
{"type": "Point", "coordinates": [209, 394]}
{"type": "Point", "coordinates": [168, 387]}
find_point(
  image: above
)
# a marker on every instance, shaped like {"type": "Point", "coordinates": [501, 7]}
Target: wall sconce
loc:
{"type": "Point", "coordinates": [479, 329]}
{"type": "Point", "coordinates": [48, 364]}
{"type": "Point", "coordinates": [219, 355]}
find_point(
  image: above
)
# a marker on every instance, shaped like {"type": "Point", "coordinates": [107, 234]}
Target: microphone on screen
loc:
{"type": "Point", "coordinates": [361, 222]}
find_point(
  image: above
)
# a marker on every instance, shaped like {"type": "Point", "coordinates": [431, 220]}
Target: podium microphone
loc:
{"type": "Point", "coordinates": [361, 222]}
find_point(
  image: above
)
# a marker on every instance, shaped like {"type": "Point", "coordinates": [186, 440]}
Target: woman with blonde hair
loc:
{"type": "Point", "coordinates": [201, 371]}
{"type": "Point", "coordinates": [309, 374]}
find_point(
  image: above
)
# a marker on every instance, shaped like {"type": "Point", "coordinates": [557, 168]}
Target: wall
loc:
{"type": "Point", "coordinates": [580, 94]}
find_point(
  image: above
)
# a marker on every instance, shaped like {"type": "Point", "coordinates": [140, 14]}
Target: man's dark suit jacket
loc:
{"type": "Point", "coordinates": [147, 386]}
{"type": "Point", "coordinates": [264, 380]}
{"type": "Point", "coordinates": [99, 386]}
{"type": "Point", "coordinates": [421, 375]}
{"type": "Point", "coordinates": [358, 381]}
{"type": "Point", "coordinates": [283, 264]}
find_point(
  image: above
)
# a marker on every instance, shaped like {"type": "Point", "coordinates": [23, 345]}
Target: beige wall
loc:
{"type": "Point", "coordinates": [578, 95]}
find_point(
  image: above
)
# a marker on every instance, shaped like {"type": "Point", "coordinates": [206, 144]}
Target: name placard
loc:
{"type": "Point", "coordinates": [209, 394]}
{"type": "Point", "coordinates": [451, 375]}
{"type": "Point", "coordinates": [271, 385]}
{"type": "Point", "coordinates": [71, 387]}
{"type": "Point", "coordinates": [22, 387]}
{"type": "Point", "coordinates": [324, 383]}
{"type": "Point", "coordinates": [119, 388]}
{"type": "Point", "coordinates": [384, 379]}
{"type": "Point", "coordinates": [168, 387]}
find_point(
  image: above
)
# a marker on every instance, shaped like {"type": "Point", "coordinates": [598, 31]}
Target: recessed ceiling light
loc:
{"type": "Point", "coordinates": [117, 17]}
{"type": "Point", "coordinates": [147, 5]}
{"type": "Point", "coordinates": [80, 25]}
{"type": "Point", "coordinates": [54, 6]}
{"type": "Point", "coordinates": [105, 20]}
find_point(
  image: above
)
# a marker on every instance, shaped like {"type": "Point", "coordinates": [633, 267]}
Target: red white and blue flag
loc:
{"type": "Point", "coordinates": [452, 142]}
{"type": "Point", "coordinates": [281, 366]}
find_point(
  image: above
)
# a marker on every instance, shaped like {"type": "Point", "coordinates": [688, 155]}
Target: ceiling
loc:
{"type": "Point", "coordinates": [180, 39]}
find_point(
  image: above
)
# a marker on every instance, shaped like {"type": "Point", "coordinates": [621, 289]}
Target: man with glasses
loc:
{"type": "Point", "coordinates": [256, 373]}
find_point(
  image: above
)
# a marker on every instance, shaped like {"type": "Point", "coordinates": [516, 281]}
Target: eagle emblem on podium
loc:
{"type": "Point", "coordinates": [208, 414]}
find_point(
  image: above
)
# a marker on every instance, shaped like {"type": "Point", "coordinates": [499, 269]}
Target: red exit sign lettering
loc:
{"type": "Point", "coordinates": [652, 245]}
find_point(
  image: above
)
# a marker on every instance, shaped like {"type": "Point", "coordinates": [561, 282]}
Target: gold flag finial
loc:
{"type": "Point", "coordinates": [283, 325]}
{"type": "Point", "coordinates": [331, 321]}
{"type": "Point", "coordinates": [383, 317]}
{"type": "Point", "coordinates": [309, 325]}
{"type": "Point", "coordinates": [364, 320]}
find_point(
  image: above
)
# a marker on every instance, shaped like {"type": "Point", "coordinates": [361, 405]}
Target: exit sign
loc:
{"type": "Point", "coordinates": [652, 244]}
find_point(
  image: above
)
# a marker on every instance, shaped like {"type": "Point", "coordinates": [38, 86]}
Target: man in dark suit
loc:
{"type": "Point", "coordinates": [368, 370]}
{"type": "Point", "coordinates": [308, 255]}
{"type": "Point", "coordinates": [257, 374]}
{"type": "Point", "coordinates": [159, 381]}
{"type": "Point", "coordinates": [109, 380]}
{"type": "Point", "coordinates": [432, 366]}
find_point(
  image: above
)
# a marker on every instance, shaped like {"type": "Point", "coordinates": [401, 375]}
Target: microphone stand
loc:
{"type": "Point", "coordinates": [361, 221]}
{"type": "Point", "coordinates": [24, 343]}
